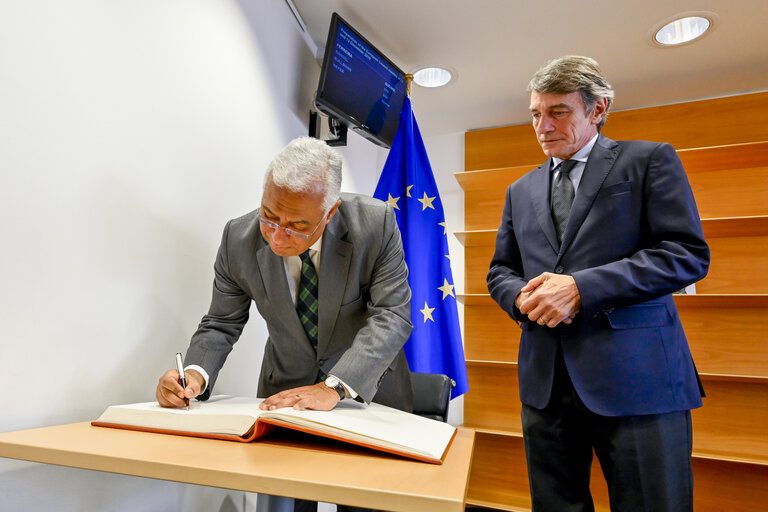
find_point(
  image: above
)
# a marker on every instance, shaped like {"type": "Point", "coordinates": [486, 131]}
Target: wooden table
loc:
{"type": "Point", "coordinates": [284, 463]}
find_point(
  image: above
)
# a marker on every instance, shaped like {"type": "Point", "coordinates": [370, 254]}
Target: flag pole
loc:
{"type": "Point", "coordinates": [408, 82]}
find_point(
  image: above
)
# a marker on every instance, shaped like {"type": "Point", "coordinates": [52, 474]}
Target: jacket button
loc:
{"type": "Point", "coordinates": [559, 270]}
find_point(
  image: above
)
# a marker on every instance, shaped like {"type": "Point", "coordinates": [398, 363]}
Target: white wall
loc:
{"type": "Point", "coordinates": [130, 132]}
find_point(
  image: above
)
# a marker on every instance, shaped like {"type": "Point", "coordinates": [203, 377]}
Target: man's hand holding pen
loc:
{"type": "Point", "coordinates": [170, 392]}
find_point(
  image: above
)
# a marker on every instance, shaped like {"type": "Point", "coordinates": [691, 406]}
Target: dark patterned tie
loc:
{"type": "Point", "coordinates": [306, 304]}
{"type": "Point", "coordinates": [562, 197]}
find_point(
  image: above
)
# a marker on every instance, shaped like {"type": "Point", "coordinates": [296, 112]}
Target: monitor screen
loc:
{"type": "Point", "coordinates": [359, 85]}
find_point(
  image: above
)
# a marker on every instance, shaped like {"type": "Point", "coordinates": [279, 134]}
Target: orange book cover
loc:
{"type": "Point", "coordinates": [239, 419]}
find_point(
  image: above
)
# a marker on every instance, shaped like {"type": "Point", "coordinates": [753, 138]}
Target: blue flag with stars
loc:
{"type": "Point", "coordinates": [407, 183]}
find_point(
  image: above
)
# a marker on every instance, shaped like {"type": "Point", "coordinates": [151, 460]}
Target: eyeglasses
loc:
{"type": "Point", "coordinates": [274, 225]}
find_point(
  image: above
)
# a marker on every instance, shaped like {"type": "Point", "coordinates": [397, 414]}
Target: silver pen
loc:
{"type": "Point", "coordinates": [180, 369]}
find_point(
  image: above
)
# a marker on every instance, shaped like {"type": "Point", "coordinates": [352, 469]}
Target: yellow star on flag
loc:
{"type": "Point", "coordinates": [445, 229]}
{"type": "Point", "coordinates": [427, 312]}
{"type": "Point", "coordinates": [426, 202]}
{"type": "Point", "coordinates": [408, 190]}
{"type": "Point", "coordinates": [447, 289]}
{"type": "Point", "coordinates": [393, 201]}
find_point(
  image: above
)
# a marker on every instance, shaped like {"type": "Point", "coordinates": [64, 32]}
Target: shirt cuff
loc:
{"type": "Point", "coordinates": [202, 372]}
{"type": "Point", "coordinates": [350, 391]}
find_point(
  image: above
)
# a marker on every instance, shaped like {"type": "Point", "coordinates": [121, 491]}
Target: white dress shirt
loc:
{"type": "Point", "coordinates": [578, 170]}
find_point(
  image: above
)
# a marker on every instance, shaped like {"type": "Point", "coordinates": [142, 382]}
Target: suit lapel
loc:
{"type": "Point", "coordinates": [539, 192]}
{"type": "Point", "coordinates": [276, 283]}
{"type": "Point", "coordinates": [334, 263]}
{"type": "Point", "coordinates": [599, 164]}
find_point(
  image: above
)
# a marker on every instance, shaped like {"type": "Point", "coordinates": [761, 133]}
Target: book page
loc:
{"type": "Point", "coordinates": [218, 415]}
{"type": "Point", "coordinates": [382, 425]}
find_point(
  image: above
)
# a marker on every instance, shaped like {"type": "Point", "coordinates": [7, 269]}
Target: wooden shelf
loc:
{"type": "Point", "coordinates": [475, 299]}
{"type": "Point", "coordinates": [756, 225]}
{"type": "Point", "coordinates": [729, 156]}
{"type": "Point", "coordinates": [481, 181]}
{"type": "Point", "coordinates": [512, 365]}
{"type": "Point", "coordinates": [475, 238]}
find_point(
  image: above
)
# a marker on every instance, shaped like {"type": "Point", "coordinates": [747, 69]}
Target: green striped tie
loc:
{"type": "Point", "coordinates": [307, 304]}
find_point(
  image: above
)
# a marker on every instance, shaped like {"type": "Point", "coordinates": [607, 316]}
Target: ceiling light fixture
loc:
{"type": "Point", "coordinates": [682, 29]}
{"type": "Point", "coordinates": [433, 77]}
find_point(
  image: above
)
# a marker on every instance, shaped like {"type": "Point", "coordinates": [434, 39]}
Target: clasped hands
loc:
{"type": "Point", "coordinates": [319, 397]}
{"type": "Point", "coordinates": [549, 299]}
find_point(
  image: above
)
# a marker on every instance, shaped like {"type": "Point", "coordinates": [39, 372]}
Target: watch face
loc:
{"type": "Point", "coordinates": [335, 383]}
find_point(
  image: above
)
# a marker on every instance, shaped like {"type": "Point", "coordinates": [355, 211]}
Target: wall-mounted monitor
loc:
{"type": "Point", "coordinates": [359, 86]}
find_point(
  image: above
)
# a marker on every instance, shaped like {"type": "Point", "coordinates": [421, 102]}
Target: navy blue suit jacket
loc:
{"type": "Point", "coordinates": [633, 237]}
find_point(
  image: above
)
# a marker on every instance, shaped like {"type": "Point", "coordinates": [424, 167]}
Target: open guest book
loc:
{"type": "Point", "coordinates": [240, 419]}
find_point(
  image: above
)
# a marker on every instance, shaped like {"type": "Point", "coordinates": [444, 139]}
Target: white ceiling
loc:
{"type": "Point", "coordinates": [496, 45]}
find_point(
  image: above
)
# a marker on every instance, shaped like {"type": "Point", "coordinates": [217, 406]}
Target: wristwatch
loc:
{"type": "Point", "coordinates": [334, 383]}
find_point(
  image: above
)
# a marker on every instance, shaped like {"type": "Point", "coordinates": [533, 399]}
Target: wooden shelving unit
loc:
{"type": "Point", "coordinates": [727, 166]}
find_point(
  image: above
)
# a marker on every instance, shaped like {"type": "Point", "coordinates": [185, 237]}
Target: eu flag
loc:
{"type": "Point", "coordinates": [407, 183]}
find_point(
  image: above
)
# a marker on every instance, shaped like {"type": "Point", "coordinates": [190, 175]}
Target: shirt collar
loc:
{"type": "Point", "coordinates": [318, 244]}
{"type": "Point", "coordinates": [581, 155]}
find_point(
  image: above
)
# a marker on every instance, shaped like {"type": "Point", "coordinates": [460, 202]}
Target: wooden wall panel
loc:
{"type": "Point", "coordinates": [490, 334]}
{"type": "Point", "coordinates": [720, 486]}
{"type": "Point", "coordinates": [508, 146]}
{"type": "Point", "coordinates": [499, 478]}
{"type": "Point", "coordinates": [738, 265]}
{"type": "Point", "coordinates": [697, 124]}
{"type": "Point", "coordinates": [732, 422]}
{"type": "Point", "coordinates": [499, 475]}
{"type": "Point", "coordinates": [477, 261]}
{"type": "Point", "coordinates": [483, 209]}
{"type": "Point", "coordinates": [495, 399]}
{"type": "Point", "coordinates": [731, 192]}
{"type": "Point", "coordinates": [716, 122]}
{"type": "Point", "coordinates": [709, 321]}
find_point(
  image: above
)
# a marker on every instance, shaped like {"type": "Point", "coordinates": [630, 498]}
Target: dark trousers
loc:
{"type": "Point", "coordinates": [646, 460]}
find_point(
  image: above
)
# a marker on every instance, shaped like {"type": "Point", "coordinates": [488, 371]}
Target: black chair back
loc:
{"type": "Point", "coordinates": [431, 395]}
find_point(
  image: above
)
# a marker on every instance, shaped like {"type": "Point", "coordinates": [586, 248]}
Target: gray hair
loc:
{"type": "Point", "coordinates": [307, 165]}
{"type": "Point", "coordinates": [572, 73]}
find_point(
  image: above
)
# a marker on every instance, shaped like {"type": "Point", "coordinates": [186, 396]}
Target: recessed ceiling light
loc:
{"type": "Point", "coordinates": [432, 77]}
{"type": "Point", "coordinates": [682, 30]}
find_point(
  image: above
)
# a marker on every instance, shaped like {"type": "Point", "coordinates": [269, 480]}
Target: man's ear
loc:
{"type": "Point", "coordinates": [598, 111]}
{"type": "Point", "coordinates": [332, 211]}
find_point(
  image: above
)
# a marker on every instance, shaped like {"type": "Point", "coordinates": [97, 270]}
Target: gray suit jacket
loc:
{"type": "Point", "coordinates": [364, 315]}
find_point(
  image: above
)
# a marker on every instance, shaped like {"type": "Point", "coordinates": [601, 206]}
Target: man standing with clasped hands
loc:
{"type": "Point", "coordinates": [590, 248]}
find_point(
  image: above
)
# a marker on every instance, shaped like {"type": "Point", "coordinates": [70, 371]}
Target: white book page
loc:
{"type": "Point", "coordinates": [377, 422]}
{"type": "Point", "coordinates": [219, 415]}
